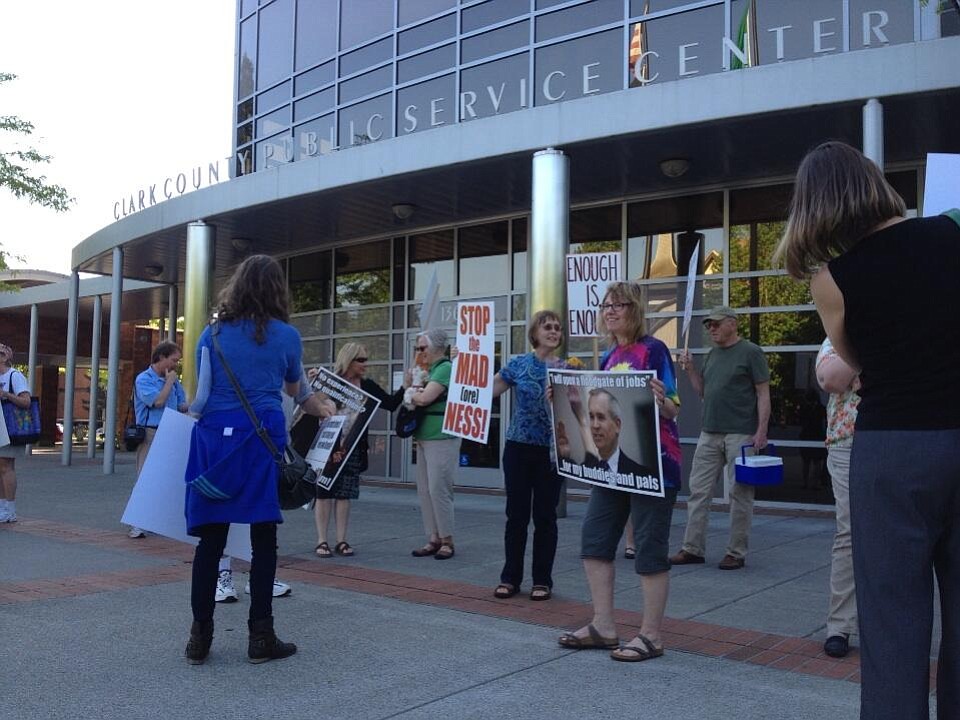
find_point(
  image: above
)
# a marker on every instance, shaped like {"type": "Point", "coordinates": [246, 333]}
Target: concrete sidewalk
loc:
{"type": "Point", "coordinates": [95, 623]}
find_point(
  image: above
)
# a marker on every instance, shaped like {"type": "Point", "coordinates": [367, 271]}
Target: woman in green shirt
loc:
{"type": "Point", "coordinates": [437, 452]}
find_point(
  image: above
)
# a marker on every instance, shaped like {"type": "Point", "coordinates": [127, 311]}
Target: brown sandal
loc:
{"type": "Point", "coordinates": [343, 548]}
{"type": "Point", "coordinates": [637, 653]}
{"type": "Point", "coordinates": [323, 550]}
{"type": "Point", "coordinates": [594, 640]}
{"type": "Point", "coordinates": [505, 591]}
{"type": "Point", "coordinates": [445, 552]}
{"type": "Point", "coordinates": [429, 549]}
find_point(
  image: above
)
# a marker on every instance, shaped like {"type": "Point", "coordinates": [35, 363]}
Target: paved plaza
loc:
{"type": "Point", "coordinates": [94, 623]}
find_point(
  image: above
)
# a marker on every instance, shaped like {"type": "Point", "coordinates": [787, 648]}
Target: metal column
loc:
{"type": "Point", "coordinates": [549, 242]}
{"type": "Point", "coordinates": [173, 310]}
{"type": "Point", "coordinates": [68, 386]}
{"type": "Point", "coordinates": [96, 322]}
{"type": "Point", "coordinates": [197, 291]}
{"type": "Point", "coordinates": [32, 356]}
{"type": "Point", "coordinates": [873, 131]}
{"type": "Point", "coordinates": [113, 363]}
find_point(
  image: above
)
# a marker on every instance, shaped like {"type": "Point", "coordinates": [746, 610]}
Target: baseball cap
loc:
{"type": "Point", "coordinates": [721, 312]}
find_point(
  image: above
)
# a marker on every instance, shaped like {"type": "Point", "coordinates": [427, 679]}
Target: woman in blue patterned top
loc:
{"type": "Point", "coordinates": [529, 473]}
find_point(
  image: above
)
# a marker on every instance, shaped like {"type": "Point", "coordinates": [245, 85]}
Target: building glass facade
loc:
{"type": "Point", "coordinates": [315, 76]}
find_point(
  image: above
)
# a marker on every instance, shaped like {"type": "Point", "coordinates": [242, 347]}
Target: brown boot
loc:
{"type": "Point", "coordinates": [264, 645]}
{"type": "Point", "coordinates": [198, 646]}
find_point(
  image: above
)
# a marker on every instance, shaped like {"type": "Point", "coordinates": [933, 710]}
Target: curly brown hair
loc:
{"type": "Point", "coordinates": [256, 291]}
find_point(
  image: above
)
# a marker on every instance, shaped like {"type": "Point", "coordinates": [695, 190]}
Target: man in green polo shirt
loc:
{"type": "Point", "coordinates": [735, 387]}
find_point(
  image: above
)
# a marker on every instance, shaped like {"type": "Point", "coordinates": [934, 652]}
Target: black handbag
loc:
{"type": "Point", "coordinates": [296, 480]}
{"type": "Point", "coordinates": [407, 421]}
{"type": "Point", "coordinates": [133, 434]}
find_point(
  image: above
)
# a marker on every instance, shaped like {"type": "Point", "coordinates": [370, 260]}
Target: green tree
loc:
{"type": "Point", "coordinates": [18, 172]}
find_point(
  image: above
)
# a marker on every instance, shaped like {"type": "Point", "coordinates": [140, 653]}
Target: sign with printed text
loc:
{"type": "Point", "coordinates": [470, 396]}
{"type": "Point", "coordinates": [337, 437]}
{"type": "Point", "coordinates": [588, 275]}
{"type": "Point", "coordinates": [606, 429]}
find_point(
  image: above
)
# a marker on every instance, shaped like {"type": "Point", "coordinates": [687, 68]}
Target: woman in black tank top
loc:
{"type": "Point", "coordinates": [886, 289]}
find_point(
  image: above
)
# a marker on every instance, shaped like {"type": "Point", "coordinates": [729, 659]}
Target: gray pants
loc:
{"type": "Point", "coordinates": [905, 514]}
{"type": "Point", "coordinates": [716, 451]}
{"type": "Point", "coordinates": [436, 465]}
{"type": "Point", "coordinates": [842, 616]}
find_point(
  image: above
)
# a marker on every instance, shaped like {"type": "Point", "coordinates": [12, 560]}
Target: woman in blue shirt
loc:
{"type": "Point", "coordinates": [231, 475]}
{"type": "Point", "coordinates": [529, 473]}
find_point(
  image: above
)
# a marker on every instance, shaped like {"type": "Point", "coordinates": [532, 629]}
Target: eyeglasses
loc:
{"type": "Point", "coordinates": [360, 359]}
{"type": "Point", "coordinates": [421, 348]}
{"type": "Point", "coordinates": [551, 326]}
{"type": "Point", "coordinates": [617, 306]}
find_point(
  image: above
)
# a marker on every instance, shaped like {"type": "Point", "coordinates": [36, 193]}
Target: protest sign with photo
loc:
{"type": "Point", "coordinates": [606, 429]}
{"type": "Point", "coordinates": [338, 435]}
{"type": "Point", "coordinates": [470, 397]}
{"type": "Point", "coordinates": [588, 275]}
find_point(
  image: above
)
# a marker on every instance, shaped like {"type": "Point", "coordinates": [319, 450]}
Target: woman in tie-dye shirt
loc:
{"type": "Point", "coordinates": [621, 318]}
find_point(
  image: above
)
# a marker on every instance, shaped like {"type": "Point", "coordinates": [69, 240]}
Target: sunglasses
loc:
{"type": "Point", "coordinates": [422, 348]}
{"type": "Point", "coordinates": [360, 359]}
{"type": "Point", "coordinates": [551, 326]}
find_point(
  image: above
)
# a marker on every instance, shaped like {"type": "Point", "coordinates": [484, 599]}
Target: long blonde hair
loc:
{"type": "Point", "coordinates": [839, 197]}
{"type": "Point", "coordinates": [348, 353]}
{"type": "Point", "coordinates": [632, 294]}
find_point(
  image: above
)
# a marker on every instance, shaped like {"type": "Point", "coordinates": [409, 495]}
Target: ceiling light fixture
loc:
{"type": "Point", "coordinates": [241, 244]}
{"type": "Point", "coordinates": [403, 211]}
{"type": "Point", "coordinates": [153, 270]}
{"type": "Point", "coordinates": [674, 167]}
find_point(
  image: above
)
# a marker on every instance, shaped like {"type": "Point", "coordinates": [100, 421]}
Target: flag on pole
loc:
{"type": "Point", "coordinates": [747, 38]}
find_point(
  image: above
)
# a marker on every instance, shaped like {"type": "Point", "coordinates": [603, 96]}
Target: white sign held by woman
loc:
{"type": "Point", "coordinates": [588, 275]}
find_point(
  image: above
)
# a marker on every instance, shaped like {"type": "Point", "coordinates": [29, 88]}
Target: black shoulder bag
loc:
{"type": "Point", "coordinates": [296, 480]}
{"type": "Point", "coordinates": [408, 420]}
{"type": "Point", "coordinates": [133, 434]}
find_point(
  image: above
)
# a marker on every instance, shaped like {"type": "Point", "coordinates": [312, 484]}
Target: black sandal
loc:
{"type": "Point", "coordinates": [540, 592]}
{"type": "Point", "coordinates": [445, 552]}
{"type": "Point", "coordinates": [429, 549]}
{"type": "Point", "coordinates": [505, 591]}
{"type": "Point", "coordinates": [323, 550]}
{"type": "Point", "coordinates": [343, 548]}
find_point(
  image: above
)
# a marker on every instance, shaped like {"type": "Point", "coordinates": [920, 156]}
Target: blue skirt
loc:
{"type": "Point", "coordinates": [231, 476]}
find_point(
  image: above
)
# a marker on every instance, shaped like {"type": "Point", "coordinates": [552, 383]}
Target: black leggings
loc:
{"type": "Point", "coordinates": [206, 561]}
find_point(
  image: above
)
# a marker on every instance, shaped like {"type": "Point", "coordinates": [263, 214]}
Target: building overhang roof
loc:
{"type": "Point", "coordinates": [141, 300]}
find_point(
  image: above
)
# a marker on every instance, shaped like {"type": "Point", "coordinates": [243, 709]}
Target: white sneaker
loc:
{"type": "Point", "coordinates": [6, 516]}
{"type": "Point", "coordinates": [225, 590]}
{"type": "Point", "coordinates": [136, 532]}
{"type": "Point", "coordinates": [280, 589]}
